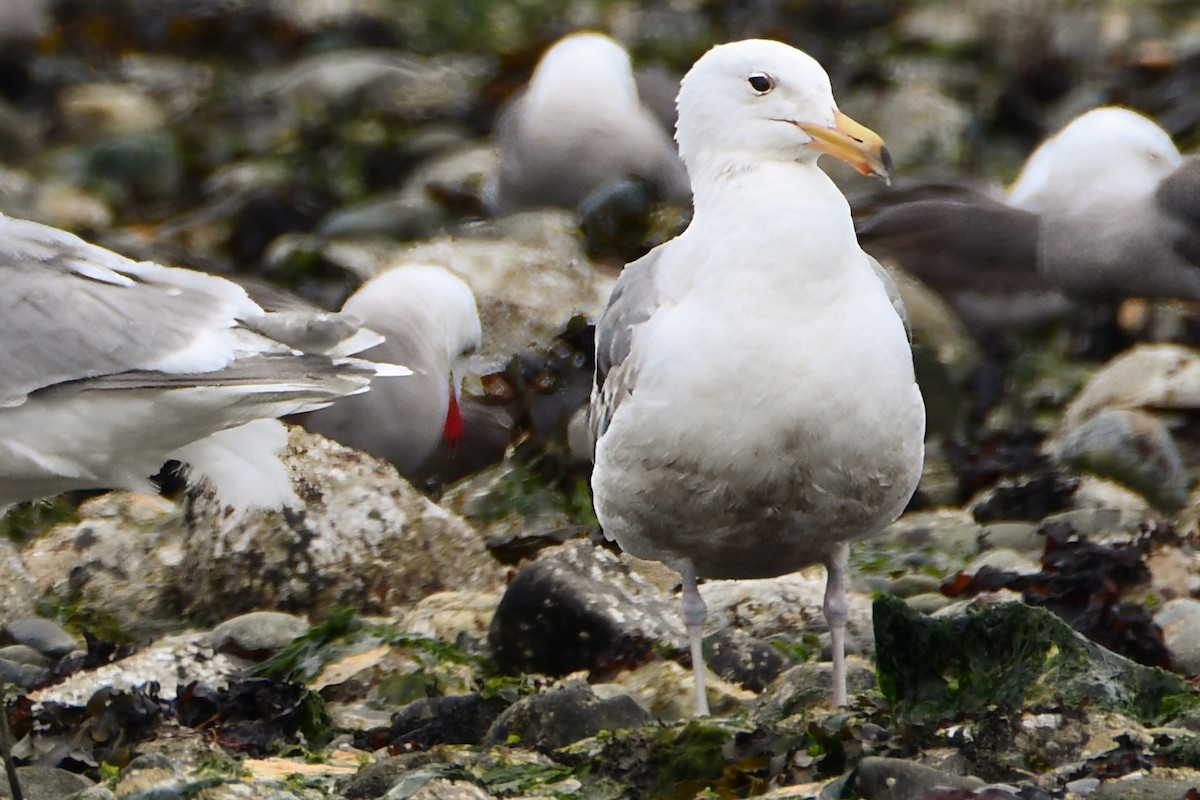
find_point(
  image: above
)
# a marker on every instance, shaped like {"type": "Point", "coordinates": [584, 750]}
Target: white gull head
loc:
{"type": "Point", "coordinates": [760, 100]}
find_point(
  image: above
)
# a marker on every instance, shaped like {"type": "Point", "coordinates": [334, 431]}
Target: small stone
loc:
{"type": "Point", "coordinates": [45, 783]}
{"type": "Point", "coordinates": [1179, 620]}
{"type": "Point", "coordinates": [896, 779]}
{"type": "Point", "coordinates": [43, 635]}
{"type": "Point", "coordinates": [1004, 560]}
{"type": "Point", "coordinates": [453, 719]}
{"type": "Point", "coordinates": [24, 654]}
{"type": "Point", "coordinates": [912, 585]}
{"type": "Point", "coordinates": [740, 658]}
{"type": "Point", "coordinates": [257, 635]}
{"type": "Point", "coordinates": [928, 602]}
{"type": "Point", "coordinates": [810, 685]}
{"type": "Point", "coordinates": [1133, 448]}
{"type": "Point", "coordinates": [1022, 537]}
{"type": "Point", "coordinates": [564, 714]}
{"type": "Point", "coordinates": [1140, 786]}
{"type": "Point", "coordinates": [152, 773]}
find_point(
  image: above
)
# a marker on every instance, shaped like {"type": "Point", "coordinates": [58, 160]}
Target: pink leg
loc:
{"type": "Point", "coordinates": [694, 612]}
{"type": "Point", "coordinates": [835, 615]}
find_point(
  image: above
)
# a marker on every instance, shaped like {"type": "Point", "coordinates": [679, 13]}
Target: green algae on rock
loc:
{"type": "Point", "coordinates": [1010, 655]}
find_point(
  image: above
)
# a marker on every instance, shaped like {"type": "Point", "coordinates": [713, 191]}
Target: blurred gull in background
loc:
{"type": "Point", "coordinates": [429, 321]}
{"type": "Point", "coordinates": [1119, 208]}
{"type": "Point", "coordinates": [578, 127]}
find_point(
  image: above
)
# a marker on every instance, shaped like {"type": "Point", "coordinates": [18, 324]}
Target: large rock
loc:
{"type": "Point", "coordinates": [365, 538]}
{"type": "Point", "coordinates": [579, 606]}
{"type": "Point", "coordinates": [1009, 655]}
{"type": "Point", "coordinates": [118, 565]}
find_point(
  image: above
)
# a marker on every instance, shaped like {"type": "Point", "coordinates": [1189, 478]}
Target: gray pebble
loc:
{"type": "Point", "coordinates": [43, 635]}
{"type": "Point", "coordinates": [1179, 620]}
{"type": "Point", "coordinates": [258, 634]}
{"type": "Point", "coordinates": [1133, 448]}
{"type": "Point", "coordinates": [46, 783]}
{"type": "Point", "coordinates": [893, 779]}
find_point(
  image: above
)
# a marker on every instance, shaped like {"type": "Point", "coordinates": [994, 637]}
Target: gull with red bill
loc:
{"type": "Point", "coordinates": [428, 318]}
{"type": "Point", "coordinates": [754, 407]}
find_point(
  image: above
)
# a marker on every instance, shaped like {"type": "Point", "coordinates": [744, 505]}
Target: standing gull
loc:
{"type": "Point", "coordinates": [754, 408]}
{"type": "Point", "coordinates": [1119, 208]}
{"type": "Point", "coordinates": [110, 367]}
{"type": "Point", "coordinates": [578, 127]}
{"type": "Point", "coordinates": [429, 322]}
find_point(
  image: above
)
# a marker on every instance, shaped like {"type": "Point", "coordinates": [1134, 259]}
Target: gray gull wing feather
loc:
{"type": "Point", "coordinates": [1178, 195]}
{"type": "Point", "coordinates": [634, 299]}
{"type": "Point", "coordinates": [893, 293]}
{"type": "Point", "coordinates": [71, 310]}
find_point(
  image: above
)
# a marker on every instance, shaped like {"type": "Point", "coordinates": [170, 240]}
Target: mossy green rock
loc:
{"type": "Point", "coordinates": [1010, 655]}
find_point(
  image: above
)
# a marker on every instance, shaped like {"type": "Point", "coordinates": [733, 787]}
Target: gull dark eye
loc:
{"type": "Point", "coordinates": [761, 82]}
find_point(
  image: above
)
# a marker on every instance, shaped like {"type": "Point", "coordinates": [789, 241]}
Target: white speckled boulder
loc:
{"type": "Point", "coordinates": [365, 538]}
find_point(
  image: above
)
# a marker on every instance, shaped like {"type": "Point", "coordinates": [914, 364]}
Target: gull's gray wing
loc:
{"type": "Point", "coordinates": [893, 293]}
{"type": "Point", "coordinates": [72, 310]}
{"type": "Point", "coordinates": [634, 299]}
{"type": "Point", "coordinates": [1178, 196]}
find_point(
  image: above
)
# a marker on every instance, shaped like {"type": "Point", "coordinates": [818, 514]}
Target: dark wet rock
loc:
{"type": "Point", "coordinates": [266, 212]}
{"type": "Point", "coordinates": [576, 607]}
{"type": "Point", "coordinates": [45, 783]}
{"type": "Point", "coordinates": [258, 634]}
{"type": "Point", "coordinates": [618, 220]}
{"type": "Point", "coordinates": [808, 686]}
{"type": "Point", "coordinates": [366, 538]}
{"type": "Point", "coordinates": [1133, 448]}
{"type": "Point", "coordinates": [133, 169]}
{"type": "Point", "coordinates": [41, 634]}
{"type": "Point", "coordinates": [564, 714]}
{"type": "Point", "coordinates": [1009, 655]}
{"type": "Point", "coordinates": [740, 658]}
{"type": "Point", "coordinates": [453, 719]}
{"type": "Point", "coordinates": [896, 779]}
{"type": "Point", "coordinates": [17, 596]}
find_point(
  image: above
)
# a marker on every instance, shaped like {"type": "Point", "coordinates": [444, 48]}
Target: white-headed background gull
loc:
{"type": "Point", "coordinates": [754, 408]}
{"type": "Point", "coordinates": [1119, 208]}
{"type": "Point", "coordinates": [579, 126]}
{"type": "Point", "coordinates": [110, 367]}
{"type": "Point", "coordinates": [429, 321]}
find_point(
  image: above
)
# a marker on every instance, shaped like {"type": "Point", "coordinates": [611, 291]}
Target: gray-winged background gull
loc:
{"type": "Point", "coordinates": [754, 408]}
{"type": "Point", "coordinates": [109, 367]}
{"type": "Point", "coordinates": [579, 126]}
{"type": "Point", "coordinates": [429, 322]}
{"type": "Point", "coordinates": [1119, 208]}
